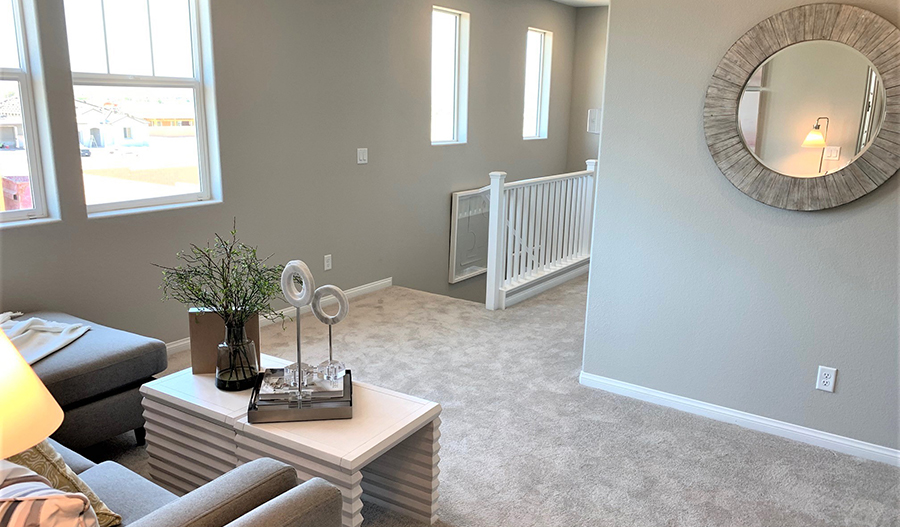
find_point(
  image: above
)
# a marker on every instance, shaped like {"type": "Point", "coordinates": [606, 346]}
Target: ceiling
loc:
{"type": "Point", "coordinates": [583, 3]}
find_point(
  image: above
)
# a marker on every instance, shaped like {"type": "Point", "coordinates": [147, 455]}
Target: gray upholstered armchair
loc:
{"type": "Point", "coordinates": [262, 492]}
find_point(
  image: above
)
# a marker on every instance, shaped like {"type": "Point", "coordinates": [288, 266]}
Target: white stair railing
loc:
{"type": "Point", "coordinates": [539, 233]}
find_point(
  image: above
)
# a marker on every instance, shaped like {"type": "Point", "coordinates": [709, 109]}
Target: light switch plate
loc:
{"type": "Point", "coordinates": [362, 156]}
{"type": "Point", "coordinates": [593, 124]}
{"type": "Point", "coordinates": [832, 153]}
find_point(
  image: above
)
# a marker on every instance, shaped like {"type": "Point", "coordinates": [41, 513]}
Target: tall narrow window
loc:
{"type": "Point", "coordinates": [449, 75]}
{"type": "Point", "coordinates": [20, 167]}
{"type": "Point", "coordinates": [538, 54]}
{"type": "Point", "coordinates": [136, 64]}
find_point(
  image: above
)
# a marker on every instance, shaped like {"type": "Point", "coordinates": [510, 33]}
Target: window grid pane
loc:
{"type": "Point", "coordinates": [128, 37]}
{"type": "Point", "coordinates": [86, 36]}
{"type": "Point", "coordinates": [444, 76]}
{"type": "Point", "coordinates": [9, 46]}
{"type": "Point", "coordinates": [170, 27]}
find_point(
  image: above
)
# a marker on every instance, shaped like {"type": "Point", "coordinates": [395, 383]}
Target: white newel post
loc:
{"type": "Point", "coordinates": [588, 224]}
{"type": "Point", "coordinates": [496, 242]}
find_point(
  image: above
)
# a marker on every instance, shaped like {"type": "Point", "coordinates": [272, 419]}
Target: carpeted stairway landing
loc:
{"type": "Point", "coordinates": [523, 444]}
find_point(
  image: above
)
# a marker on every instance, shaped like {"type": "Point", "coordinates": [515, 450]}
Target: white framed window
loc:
{"type": "Point", "coordinates": [449, 76]}
{"type": "Point", "coordinates": [139, 67]}
{"type": "Point", "coordinates": [538, 59]}
{"type": "Point", "coordinates": [24, 196]}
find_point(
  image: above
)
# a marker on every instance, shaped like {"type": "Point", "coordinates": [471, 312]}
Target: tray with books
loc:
{"type": "Point", "coordinates": [273, 400]}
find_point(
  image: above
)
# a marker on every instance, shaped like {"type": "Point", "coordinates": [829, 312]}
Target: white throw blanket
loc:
{"type": "Point", "coordinates": [36, 338]}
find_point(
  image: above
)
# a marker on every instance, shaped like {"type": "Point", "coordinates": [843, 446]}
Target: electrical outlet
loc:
{"type": "Point", "coordinates": [826, 378]}
{"type": "Point", "coordinates": [362, 156]}
{"type": "Point", "coordinates": [327, 262]}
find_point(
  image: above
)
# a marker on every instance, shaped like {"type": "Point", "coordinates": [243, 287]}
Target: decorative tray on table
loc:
{"type": "Point", "coordinates": [273, 399]}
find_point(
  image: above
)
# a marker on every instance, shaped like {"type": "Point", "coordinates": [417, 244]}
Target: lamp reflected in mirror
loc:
{"type": "Point", "coordinates": [816, 138]}
{"type": "Point", "coordinates": [797, 84]}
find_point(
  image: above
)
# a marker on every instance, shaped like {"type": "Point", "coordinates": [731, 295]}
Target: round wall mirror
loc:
{"type": "Point", "coordinates": [803, 111]}
{"type": "Point", "coordinates": [812, 108]}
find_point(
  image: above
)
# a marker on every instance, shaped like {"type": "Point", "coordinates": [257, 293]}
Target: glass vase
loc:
{"type": "Point", "coordinates": [236, 365]}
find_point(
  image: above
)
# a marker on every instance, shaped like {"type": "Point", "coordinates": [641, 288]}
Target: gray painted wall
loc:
{"type": "Point", "coordinates": [591, 25]}
{"type": "Point", "coordinates": [300, 86]}
{"type": "Point", "coordinates": [700, 291]}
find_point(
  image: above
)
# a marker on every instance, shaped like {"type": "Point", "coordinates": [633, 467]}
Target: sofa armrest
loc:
{"type": "Point", "coordinates": [315, 503]}
{"type": "Point", "coordinates": [226, 498]}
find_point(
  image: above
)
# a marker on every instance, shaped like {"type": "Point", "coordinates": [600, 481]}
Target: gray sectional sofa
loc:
{"type": "Point", "coordinates": [96, 380]}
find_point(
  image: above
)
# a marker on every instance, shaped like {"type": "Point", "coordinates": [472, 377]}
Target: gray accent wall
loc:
{"type": "Point", "coordinates": [591, 25]}
{"type": "Point", "coordinates": [300, 86]}
{"type": "Point", "coordinates": [698, 290]}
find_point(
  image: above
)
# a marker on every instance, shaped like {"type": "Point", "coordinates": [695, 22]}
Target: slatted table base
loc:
{"type": "Point", "coordinates": [403, 479]}
{"type": "Point", "coordinates": [186, 451]}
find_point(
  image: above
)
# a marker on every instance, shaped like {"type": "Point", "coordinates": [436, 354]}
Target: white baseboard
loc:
{"type": "Point", "coordinates": [185, 344]}
{"type": "Point", "coordinates": [178, 346]}
{"type": "Point", "coordinates": [519, 295]}
{"type": "Point", "coordinates": [842, 444]}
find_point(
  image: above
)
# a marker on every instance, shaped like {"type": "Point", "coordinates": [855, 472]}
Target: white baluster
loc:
{"type": "Point", "coordinates": [532, 219]}
{"type": "Point", "coordinates": [576, 191]}
{"type": "Point", "coordinates": [517, 247]}
{"type": "Point", "coordinates": [523, 246]}
{"type": "Point", "coordinates": [567, 215]}
{"type": "Point", "coordinates": [545, 203]}
{"type": "Point", "coordinates": [557, 216]}
{"type": "Point", "coordinates": [510, 235]}
{"type": "Point", "coordinates": [576, 186]}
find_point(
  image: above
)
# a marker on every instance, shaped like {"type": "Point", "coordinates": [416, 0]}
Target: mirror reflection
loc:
{"type": "Point", "coordinates": [812, 109]}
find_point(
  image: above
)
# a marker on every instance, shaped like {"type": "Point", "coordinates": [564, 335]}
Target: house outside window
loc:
{"type": "Point", "coordinates": [140, 68]}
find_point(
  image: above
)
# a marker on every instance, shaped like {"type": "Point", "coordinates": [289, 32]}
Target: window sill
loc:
{"type": "Point", "coordinates": [153, 208]}
{"type": "Point", "coordinates": [534, 138]}
{"type": "Point", "coordinates": [27, 222]}
{"type": "Point", "coordinates": [448, 143]}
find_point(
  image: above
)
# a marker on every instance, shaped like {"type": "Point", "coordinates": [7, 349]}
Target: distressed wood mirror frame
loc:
{"type": "Point", "coordinates": [874, 37]}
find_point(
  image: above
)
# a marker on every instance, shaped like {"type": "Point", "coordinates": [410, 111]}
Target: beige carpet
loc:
{"type": "Point", "coordinates": [523, 444]}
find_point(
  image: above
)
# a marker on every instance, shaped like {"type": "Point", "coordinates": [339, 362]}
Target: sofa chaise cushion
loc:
{"type": "Point", "coordinates": [101, 361]}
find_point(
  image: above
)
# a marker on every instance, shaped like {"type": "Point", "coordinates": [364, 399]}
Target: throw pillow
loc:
{"type": "Point", "coordinates": [28, 500]}
{"type": "Point", "coordinates": [47, 462]}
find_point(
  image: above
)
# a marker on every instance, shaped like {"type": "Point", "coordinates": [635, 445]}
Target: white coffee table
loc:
{"type": "Point", "coordinates": [387, 453]}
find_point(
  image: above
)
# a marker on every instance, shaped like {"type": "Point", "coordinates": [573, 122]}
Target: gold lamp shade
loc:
{"type": "Point", "coordinates": [815, 139]}
{"type": "Point", "coordinates": [28, 413]}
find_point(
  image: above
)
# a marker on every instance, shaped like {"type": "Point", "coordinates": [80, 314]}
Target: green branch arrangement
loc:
{"type": "Point", "coordinates": [226, 277]}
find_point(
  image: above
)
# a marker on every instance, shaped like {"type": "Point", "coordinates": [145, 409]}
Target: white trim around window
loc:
{"type": "Point", "coordinates": [33, 113]}
{"type": "Point", "coordinates": [538, 73]}
{"type": "Point", "coordinates": [201, 85]}
{"type": "Point", "coordinates": [449, 77]}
